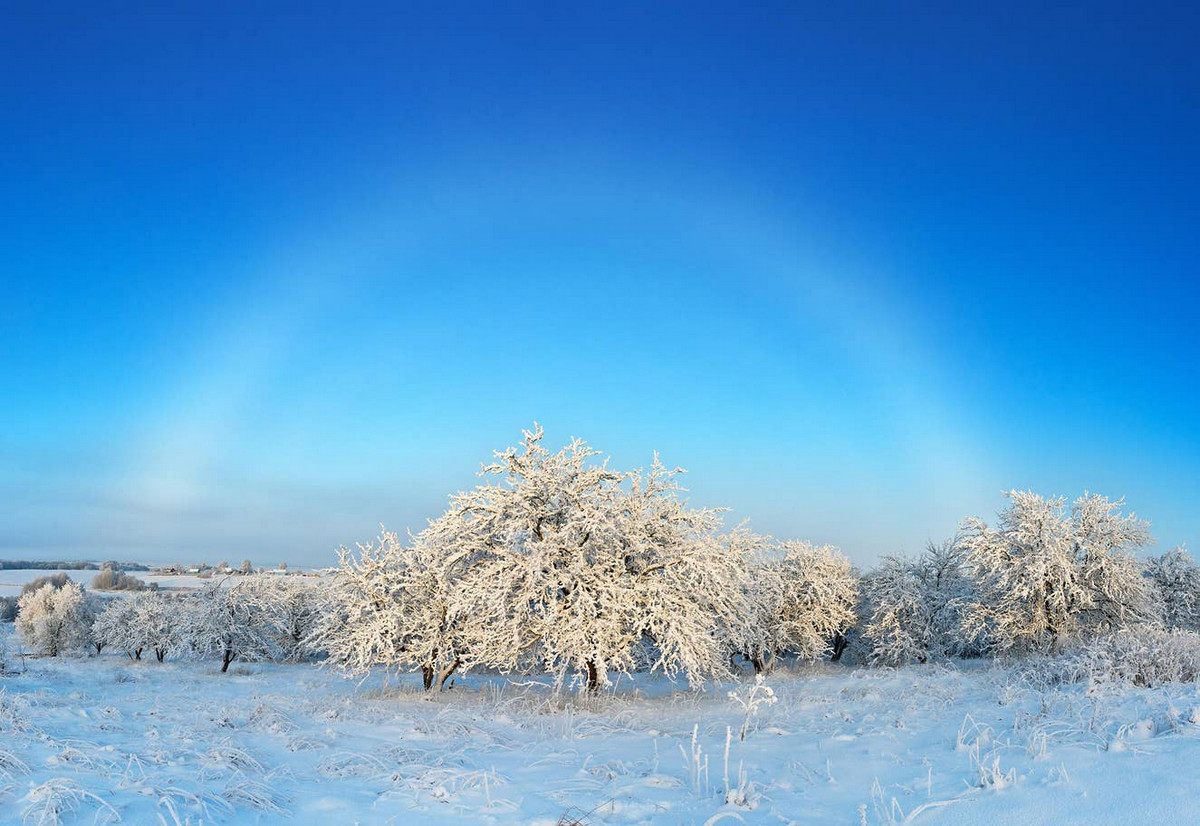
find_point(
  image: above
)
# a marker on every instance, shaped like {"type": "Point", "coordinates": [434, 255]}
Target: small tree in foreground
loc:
{"type": "Point", "coordinates": [52, 620]}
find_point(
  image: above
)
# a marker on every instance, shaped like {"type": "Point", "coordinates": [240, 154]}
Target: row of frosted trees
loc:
{"type": "Point", "coordinates": [259, 617]}
{"type": "Point", "coordinates": [558, 564]}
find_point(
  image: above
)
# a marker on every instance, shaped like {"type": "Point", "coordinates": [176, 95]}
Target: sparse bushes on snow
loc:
{"type": "Point", "coordinates": [53, 621]}
{"type": "Point", "coordinates": [57, 580]}
{"type": "Point", "coordinates": [1144, 657]}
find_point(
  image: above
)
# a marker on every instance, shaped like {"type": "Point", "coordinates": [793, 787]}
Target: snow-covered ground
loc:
{"type": "Point", "coordinates": [103, 738]}
{"type": "Point", "coordinates": [11, 581]}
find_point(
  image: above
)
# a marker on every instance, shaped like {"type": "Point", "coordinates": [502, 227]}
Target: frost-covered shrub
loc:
{"type": "Point", "coordinates": [1047, 573]}
{"type": "Point", "coordinates": [1145, 657]}
{"type": "Point", "coordinates": [52, 621]}
{"type": "Point", "coordinates": [801, 599]}
{"type": "Point", "coordinates": [111, 579]}
{"type": "Point", "coordinates": [57, 580]}
{"type": "Point", "coordinates": [8, 609]}
{"type": "Point", "coordinates": [898, 629]}
{"type": "Point", "coordinates": [914, 608]}
{"type": "Point", "coordinates": [1176, 580]}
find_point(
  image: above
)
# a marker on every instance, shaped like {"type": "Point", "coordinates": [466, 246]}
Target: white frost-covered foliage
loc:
{"type": "Point", "coordinates": [1176, 580]}
{"type": "Point", "coordinates": [801, 596]}
{"type": "Point", "coordinates": [53, 621]}
{"type": "Point", "coordinates": [397, 607]}
{"type": "Point", "coordinates": [146, 621]}
{"type": "Point", "coordinates": [1046, 572]}
{"type": "Point", "coordinates": [1145, 657]}
{"type": "Point", "coordinates": [573, 566]}
{"type": "Point", "coordinates": [237, 622]}
{"type": "Point", "coordinates": [299, 602]}
{"type": "Point", "coordinates": [915, 607]}
{"type": "Point", "coordinates": [560, 564]}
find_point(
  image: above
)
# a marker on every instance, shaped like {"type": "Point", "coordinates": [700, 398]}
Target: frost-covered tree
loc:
{"type": "Point", "coordinates": [575, 565]}
{"type": "Point", "coordinates": [1047, 572]}
{"type": "Point", "coordinates": [915, 607]}
{"type": "Point", "coordinates": [114, 628]}
{"type": "Point", "coordinates": [146, 621]}
{"type": "Point", "coordinates": [93, 606]}
{"type": "Point", "coordinates": [1176, 580]}
{"type": "Point", "coordinates": [52, 620]}
{"type": "Point", "coordinates": [899, 628]}
{"type": "Point", "coordinates": [558, 564]}
{"type": "Point", "coordinates": [237, 622]}
{"type": "Point", "coordinates": [802, 600]}
{"type": "Point", "coordinates": [299, 602]}
{"type": "Point", "coordinates": [398, 607]}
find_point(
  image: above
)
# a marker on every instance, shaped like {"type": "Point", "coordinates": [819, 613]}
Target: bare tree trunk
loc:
{"type": "Point", "coordinates": [427, 675]}
{"type": "Point", "coordinates": [160, 653]}
{"type": "Point", "coordinates": [446, 672]}
{"type": "Point", "coordinates": [839, 646]}
{"type": "Point", "coordinates": [593, 677]}
{"type": "Point", "coordinates": [228, 658]}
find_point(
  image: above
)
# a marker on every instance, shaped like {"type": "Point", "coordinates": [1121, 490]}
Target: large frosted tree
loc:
{"type": "Point", "coordinates": [578, 568]}
{"type": "Point", "coordinates": [1047, 572]}
{"type": "Point", "coordinates": [557, 563]}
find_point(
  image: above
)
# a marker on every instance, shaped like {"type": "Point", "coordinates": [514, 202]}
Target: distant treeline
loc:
{"type": "Point", "coordinates": [75, 565]}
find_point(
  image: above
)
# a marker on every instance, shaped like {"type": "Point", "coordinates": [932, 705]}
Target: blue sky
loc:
{"type": "Point", "coordinates": [273, 276]}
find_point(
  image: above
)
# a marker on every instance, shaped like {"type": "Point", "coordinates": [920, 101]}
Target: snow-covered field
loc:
{"type": "Point", "coordinates": [11, 581]}
{"type": "Point", "coordinates": [103, 739]}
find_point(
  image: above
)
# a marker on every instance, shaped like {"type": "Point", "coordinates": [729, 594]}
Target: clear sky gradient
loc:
{"type": "Point", "coordinates": [273, 275]}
